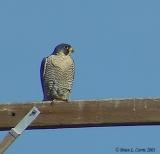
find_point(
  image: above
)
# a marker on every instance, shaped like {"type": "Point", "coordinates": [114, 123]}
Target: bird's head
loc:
{"type": "Point", "coordinates": [63, 49]}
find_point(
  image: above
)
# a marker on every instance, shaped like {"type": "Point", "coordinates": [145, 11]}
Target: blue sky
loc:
{"type": "Point", "coordinates": [117, 54]}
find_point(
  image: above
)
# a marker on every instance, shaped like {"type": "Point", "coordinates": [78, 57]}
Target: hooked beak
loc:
{"type": "Point", "coordinates": [71, 50]}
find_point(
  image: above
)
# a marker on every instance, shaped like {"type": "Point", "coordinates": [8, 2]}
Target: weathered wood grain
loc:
{"type": "Point", "coordinates": [93, 113]}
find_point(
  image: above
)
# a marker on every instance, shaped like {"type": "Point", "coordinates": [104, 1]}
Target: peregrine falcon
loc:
{"type": "Point", "coordinates": [57, 73]}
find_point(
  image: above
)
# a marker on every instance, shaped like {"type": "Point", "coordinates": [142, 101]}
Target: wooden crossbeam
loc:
{"type": "Point", "coordinates": [93, 113]}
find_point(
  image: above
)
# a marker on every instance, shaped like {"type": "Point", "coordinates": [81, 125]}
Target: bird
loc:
{"type": "Point", "coordinates": [57, 73]}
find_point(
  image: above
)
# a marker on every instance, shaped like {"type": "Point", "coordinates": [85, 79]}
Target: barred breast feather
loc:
{"type": "Point", "coordinates": [57, 74]}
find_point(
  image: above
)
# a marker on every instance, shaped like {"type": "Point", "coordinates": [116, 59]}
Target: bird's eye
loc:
{"type": "Point", "coordinates": [66, 47]}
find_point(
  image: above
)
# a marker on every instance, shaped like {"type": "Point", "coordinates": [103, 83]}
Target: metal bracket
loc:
{"type": "Point", "coordinates": [18, 129]}
{"type": "Point", "coordinates": [26, 121]}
